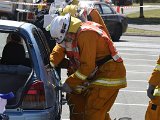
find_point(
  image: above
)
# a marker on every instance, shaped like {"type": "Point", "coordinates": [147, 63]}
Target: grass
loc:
{"type": "Point", "coordinates": [151, 17]}
{"type": "Point", "coordinates": [135, 31]}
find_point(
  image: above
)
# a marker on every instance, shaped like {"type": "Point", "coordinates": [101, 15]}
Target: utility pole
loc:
{"type": "Point", "coordinates": [141, 9]}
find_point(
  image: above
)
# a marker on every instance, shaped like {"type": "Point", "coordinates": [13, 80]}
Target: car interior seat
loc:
{"type": "Point", "coordinates": [14, 52]}
{"type": "Point", "coordinates": [14, 71]}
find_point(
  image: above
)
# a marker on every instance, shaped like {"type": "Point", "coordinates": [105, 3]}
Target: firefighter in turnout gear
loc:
{"type": "Point", "coordinates": [153, 93]}
{"type": "Point", "coordinates": [85, 14]}
{"type": "Point", "coordinates": [98, 70]}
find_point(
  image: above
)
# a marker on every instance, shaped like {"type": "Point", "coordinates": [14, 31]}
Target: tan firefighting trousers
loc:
{"type": "Point", "coordinates": [93, 106]}
{"type": "Point", "coordinates": [153, 110]}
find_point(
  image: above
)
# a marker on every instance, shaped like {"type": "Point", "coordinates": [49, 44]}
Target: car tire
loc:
{"type": "Point", "coordinates": [117, 33]}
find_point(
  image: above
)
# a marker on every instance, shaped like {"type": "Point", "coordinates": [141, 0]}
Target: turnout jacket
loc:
{"type": "Point", "coordinates": [96, 17]}
{"type": "Point", "coordinates": [155, 81]}
{"type": "Point", "coordinates": [91, 48]}
{"type": "Point", "coordinates": [155, 76]}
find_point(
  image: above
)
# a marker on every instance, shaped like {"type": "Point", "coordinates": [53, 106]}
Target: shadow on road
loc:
{"type": "Point", "coordinates": [122, 41]}
{"type": "Point", "coordinates": [144, 21]}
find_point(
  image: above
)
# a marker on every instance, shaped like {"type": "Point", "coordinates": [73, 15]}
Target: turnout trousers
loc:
{"type": "Point", "coordinates": [93, 105]}
{"type": "Point", "coordinates": [153, 111]}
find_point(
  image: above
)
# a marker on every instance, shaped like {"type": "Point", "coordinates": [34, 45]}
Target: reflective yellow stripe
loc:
{"type": "Point", "coordinates": [80, 75]}
{"type": "Point", "coordinates": [52, 64]}
{"type": "Point", "coordinates": [110, 82]}
{"type": "Point", "coordinates": [157, 67]}
{"type": "Point", "coordinates": [156, 92]}
{"type": "Point", "coordinates": [116, 57]}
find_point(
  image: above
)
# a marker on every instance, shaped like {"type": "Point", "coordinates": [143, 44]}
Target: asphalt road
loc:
{"type": "Point", "coordinates": [140, 55]}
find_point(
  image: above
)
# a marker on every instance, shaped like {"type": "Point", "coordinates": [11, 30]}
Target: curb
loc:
{"type": "Point", "coordinates": [130, 34]}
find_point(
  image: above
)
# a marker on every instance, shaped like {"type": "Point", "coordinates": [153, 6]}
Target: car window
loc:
{"type": "Point", "coordinates": [97, 6]}
{"type": "Point", "coordinates": [3, 37]}
{"type": "Point", "coordinates": [106, 9]}
{"type": "Point", "coordinates": [42, 46]}
{"type": "Point", "coordinates": [13, 49]}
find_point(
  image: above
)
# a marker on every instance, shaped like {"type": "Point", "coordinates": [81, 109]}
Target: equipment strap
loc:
{"type": "Point", "coordinates": [103, 60]}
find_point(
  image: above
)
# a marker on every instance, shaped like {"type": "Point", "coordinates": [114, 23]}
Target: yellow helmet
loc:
{"type": "Point", "coordinates": [75, 2]}
{"type": "Point", "coordinates": [72, 9]}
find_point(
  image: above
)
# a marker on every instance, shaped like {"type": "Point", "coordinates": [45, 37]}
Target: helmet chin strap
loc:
{"type": "Point", "coordinates": [57, 41]}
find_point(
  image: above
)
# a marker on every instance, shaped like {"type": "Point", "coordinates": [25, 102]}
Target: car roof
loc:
{"type": "Point", "coordinates": [11, 23]}
{"type": "Point", "coordinates": [10, 26]}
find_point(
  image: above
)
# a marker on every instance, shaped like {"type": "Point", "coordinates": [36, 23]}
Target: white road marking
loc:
{"type": "Point", "coordinates": [138, 54]}
{"type": "Point", "coordinates": [140, 72]}
{"type": "Point", "coordinates": [133, 91]}
{"type": "Point", "coordinates": [137, 81]}
{"type": "Point", "coordinates": [130, 59]}
{"type": "Point", "coordinates": [140, 65]}
{"type": "Point", "coordinates": [144, 105]}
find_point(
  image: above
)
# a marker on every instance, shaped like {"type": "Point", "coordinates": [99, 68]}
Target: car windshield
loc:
{"type": "Point", "coordinates": [106, 9]}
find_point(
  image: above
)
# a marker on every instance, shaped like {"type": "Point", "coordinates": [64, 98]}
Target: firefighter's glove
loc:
{"type": "Point", "coordinates": [80, 89]}
{"type": "Point", "coordinates": [66, 88]}
{"type": "Point", "coordinates": [150, 91]}
{"type": "Point", "coordinates": [71, 70]}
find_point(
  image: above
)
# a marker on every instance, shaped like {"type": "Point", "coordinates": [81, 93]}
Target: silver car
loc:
{"type": "Point", "coordinates": [35, 84]}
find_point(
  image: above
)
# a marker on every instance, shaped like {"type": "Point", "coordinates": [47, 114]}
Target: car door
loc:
{"type": "Point", "coordinates": [52, 75]}
{"type": "Point", "coordinates": [109, 16]}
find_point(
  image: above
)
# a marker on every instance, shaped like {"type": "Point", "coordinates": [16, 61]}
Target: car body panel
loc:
{"type": "Point", "coordinates": [18, 114]}
{"type": "Point", "coordinates": [39, 52]}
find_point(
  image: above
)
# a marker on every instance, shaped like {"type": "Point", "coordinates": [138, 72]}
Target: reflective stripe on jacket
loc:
{"type": "Point", "coordinates": [110, 82]}
{"type": "Point", "coordinates": [157, 67]}
{"type": "Point", "coordinates": [80, 75]}
{"type": "Point", "coordinates": [156, 92]}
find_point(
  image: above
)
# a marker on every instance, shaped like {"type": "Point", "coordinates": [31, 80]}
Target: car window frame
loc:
{"type": "Point", "coordinates": [100, 8]}
{"type": "Point", "coordinates": [42, 45]}
{"type": "Point", "coordinates": [101, 5]}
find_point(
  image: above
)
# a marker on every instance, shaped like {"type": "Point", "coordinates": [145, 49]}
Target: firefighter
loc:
{"type": "Point", "coordinates": [88, 14]}
{"type": "Point", "coordinates": [153, 92]}
{"type": "Point", "coordinates": [98, 70]}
